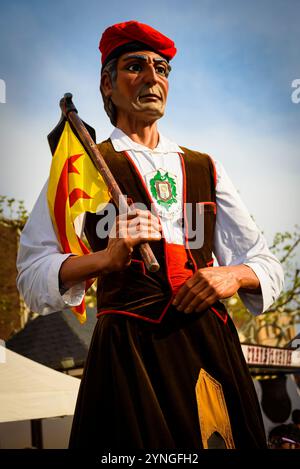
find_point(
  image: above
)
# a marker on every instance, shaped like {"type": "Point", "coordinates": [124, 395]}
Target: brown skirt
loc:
{"type": "Point", "coordinates": [183, 383]}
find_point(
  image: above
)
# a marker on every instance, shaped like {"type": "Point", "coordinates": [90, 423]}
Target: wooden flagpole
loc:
{"type": "Point", "coordinates": [70, 112]}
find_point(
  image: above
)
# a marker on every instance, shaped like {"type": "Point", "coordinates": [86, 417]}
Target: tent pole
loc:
{"type": "Point", "coordinates": [36, 433]}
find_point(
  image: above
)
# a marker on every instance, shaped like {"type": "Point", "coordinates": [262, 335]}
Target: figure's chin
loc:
{"type": "Point", "coordinates": [152, 112]}
{"type": "Point", "coordinates": [150, 117]}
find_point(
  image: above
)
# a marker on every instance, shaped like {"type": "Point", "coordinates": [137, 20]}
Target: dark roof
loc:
{"type": "Point", "coordinates": [52, 338]}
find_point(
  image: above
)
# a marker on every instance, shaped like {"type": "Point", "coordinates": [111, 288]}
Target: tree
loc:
{"type": "Point", "coordinates": [12, 212]}
{"type": "Point", "coordinates": [13, 313]}
{"type": "Point", "coordinates": [277, 325]}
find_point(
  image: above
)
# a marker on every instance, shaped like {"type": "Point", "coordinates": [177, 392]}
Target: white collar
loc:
{"type": "Point", "coordinates": [121, 142]}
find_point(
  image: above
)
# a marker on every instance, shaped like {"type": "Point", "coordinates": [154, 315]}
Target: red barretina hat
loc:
{"type": "Point", "coordinates": [133, 36]}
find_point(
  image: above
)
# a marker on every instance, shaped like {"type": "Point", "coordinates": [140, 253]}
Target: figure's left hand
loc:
{"type": "Point", "coordinates": [205, 287]}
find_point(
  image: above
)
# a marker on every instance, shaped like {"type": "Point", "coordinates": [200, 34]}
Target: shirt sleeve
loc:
{"type": "Point", "coordinates": [237, 241]}
{"type": "Point", "coordinates": [39, 261]}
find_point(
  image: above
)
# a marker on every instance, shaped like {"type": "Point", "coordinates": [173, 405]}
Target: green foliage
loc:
{"type": "Point", "coordinates": [279, 320]}
{"type": "Point", "coordinates": [12, 212]}
{"type": "Point", "coordinates": [91, 297]}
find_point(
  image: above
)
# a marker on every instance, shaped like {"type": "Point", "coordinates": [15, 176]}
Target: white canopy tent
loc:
{"type": "Point", "coordinates": [30, 391]}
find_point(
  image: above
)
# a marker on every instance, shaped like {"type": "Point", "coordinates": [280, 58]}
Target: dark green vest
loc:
{"type": "Point", "coordinates": [135, 291]}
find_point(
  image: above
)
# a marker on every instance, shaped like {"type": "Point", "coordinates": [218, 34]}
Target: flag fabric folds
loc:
{"type": "Point", "coordinates": [75, 187]}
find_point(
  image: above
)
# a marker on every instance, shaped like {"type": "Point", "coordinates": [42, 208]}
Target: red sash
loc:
{"type": "Point", "coordinates": [176, 262]}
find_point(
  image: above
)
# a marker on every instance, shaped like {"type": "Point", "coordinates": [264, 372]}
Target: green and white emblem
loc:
{"type": "Point", "coordinates": [163, 189]}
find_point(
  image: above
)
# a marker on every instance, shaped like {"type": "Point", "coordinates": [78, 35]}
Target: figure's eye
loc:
{"type": "Point", "coordinates": [162, 70]}
{"type": "Point", "coordinates": [135, 67]}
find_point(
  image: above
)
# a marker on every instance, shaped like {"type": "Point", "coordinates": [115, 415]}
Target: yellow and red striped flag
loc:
{"type": "Point", "coordinates": [75, 186]}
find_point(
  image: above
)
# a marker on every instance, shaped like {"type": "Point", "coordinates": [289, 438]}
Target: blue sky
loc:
{"type": "Point", "coordinates": [230, 89]}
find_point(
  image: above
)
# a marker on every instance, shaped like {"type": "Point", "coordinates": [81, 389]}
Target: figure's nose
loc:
{"type": "Point", "coordinates": [149, 74]}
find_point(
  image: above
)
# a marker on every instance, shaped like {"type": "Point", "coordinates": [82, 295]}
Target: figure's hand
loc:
{"type": "Point", "coordinates": [127, 232]}
{"type": "Point", "coordinates": [206, 286]}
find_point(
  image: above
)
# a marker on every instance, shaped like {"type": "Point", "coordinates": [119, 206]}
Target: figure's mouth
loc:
{"type": "Point", "coordinates": [150, 96]}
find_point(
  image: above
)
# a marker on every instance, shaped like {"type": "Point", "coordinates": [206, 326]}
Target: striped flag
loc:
{"type": "Point", "coordinates": [75, 187]}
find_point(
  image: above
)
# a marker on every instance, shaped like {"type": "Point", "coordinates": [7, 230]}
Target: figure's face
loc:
{"type": "Point", "coordinates": [141, 87]}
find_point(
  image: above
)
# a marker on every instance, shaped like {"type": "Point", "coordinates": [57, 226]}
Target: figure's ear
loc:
{"type": "Point", "coordinates": [106, 84]}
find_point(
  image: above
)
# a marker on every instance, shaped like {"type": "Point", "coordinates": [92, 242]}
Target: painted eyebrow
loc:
{"type": "Point", "coordinates": [136, 56]}
{"type": "Point", "coordinates": [145, 57]}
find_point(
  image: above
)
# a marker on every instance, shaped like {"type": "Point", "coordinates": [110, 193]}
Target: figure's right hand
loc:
{"type": "Point", "coordinates": [128, 231]}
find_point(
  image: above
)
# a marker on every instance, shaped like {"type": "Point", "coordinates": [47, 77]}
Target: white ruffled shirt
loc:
{"type": "Point", "coordinates": [237, 239]}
